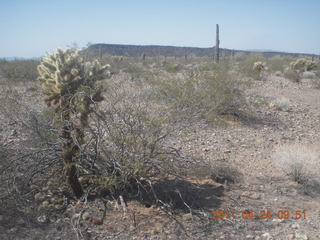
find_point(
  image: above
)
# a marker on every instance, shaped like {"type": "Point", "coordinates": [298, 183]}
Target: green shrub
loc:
{"type": "Point", "coordinates": [204, 96]}
{"type": "Point", "coordinates": [292, 75]}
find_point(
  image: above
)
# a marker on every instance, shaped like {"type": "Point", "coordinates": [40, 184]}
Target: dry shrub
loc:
{"type": "Point", "coordinates": [19, 70]}
{"type": "Point", "coordinates": [132, 139]}
{"type": "Point", "coordinates": [31, 156]}
{"type": "Point", "coordinates": [299, 161]}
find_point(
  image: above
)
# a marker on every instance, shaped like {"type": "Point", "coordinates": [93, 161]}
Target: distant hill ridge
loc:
{"type": "Point", "coordinates": [170, 51]}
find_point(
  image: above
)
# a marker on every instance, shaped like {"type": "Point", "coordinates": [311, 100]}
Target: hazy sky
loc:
{"type": "Point", "coordinates": [29, 28]}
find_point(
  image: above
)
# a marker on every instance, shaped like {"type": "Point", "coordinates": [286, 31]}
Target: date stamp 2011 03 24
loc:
{"type": "Point", "coordinates": [260, 214]}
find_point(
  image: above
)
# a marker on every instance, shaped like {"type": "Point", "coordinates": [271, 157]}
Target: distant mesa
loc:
{"type": "Point", "coordinates": [172, 51]}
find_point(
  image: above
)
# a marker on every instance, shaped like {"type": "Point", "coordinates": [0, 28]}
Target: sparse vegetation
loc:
{"type": "Point", "coordinates": [19, 70]}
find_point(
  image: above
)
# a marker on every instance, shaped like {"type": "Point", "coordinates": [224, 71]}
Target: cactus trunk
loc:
{"type": "Point", "coordinates": [217, 44]}
{"type": "Point", "coordinates": [71, 151]}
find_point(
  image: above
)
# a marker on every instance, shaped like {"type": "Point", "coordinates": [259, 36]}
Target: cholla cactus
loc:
{"type": "Point", "coordinates": [259, 66]}
{"type": "Point", "coordinates": [303, 64]}
{"type": "Point", "coordinates": [70, 86]}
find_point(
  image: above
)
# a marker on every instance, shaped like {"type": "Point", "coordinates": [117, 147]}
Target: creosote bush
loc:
{"type": "Point", "coordinates": [204, 95]}
{"type": "Point", "coordinates": [70, 86]}
{"type": "Point", "coordinates": [131, 138]}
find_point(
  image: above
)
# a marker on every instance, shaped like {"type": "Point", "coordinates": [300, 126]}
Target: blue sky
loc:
{"type": "Point", "coordinates": [29, 28]}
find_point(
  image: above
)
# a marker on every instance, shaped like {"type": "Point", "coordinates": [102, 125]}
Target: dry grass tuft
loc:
{"type": "Point", "coordinates": [301, 162]}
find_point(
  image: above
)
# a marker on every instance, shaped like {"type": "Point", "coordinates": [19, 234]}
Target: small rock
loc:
{"type": "Point", "coordinates": [12, 230]}
{"type": "Point", "coordinates": [1, 218]}
{"type": "Point", "coordinates": [50, 183]}
{"type": "Point", "coordinates": [33, 187]}
{"type": "Point", "coordinates": [255, 196]}
{"type": "Point", "coordinates": [13, 132]}
{"type": "Point", "coordinates": [154, 232]}
{"type": "Point", "coordinates": [51, 206]}
{"type": "Point", "coordinates": [277, 220]}
{"type": "Point", "coordinates": [278, 73]}
{"type": "Point", "coordinates": [39, 196]}
{"type": "Point", "coordinates": [266, 236]}
{"type": "Point", "coordinates": [257, 238]}
{"type": "Point", "coordinates": [20, 221]}
{"type": "Point", "coordinates": [42, 219]}
{"type": "Point", "coordinates": [249, 237]}
{"type": "Point", "coordinates": [187, 217]}
{"type": "Point", "coordinates": [85, 216]}
{"type": "Point", "coordinates": [132, 228]}
{"type": "Point", "coordinates": [295, 226]}
{"type": "Point", "coordinates": [301, 236]}
{"type": "Point", "coordinates": [308, 75]}
{"type": "Point", "coordinates": [290, 236]}
{"type": "Point", "coordinates": [44, 204]}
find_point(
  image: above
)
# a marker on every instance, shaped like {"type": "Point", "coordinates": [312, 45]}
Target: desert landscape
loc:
{"type": "Point", "coordinates": [156, 120]}
{"type": "Point", "coordinates": [179, 148]}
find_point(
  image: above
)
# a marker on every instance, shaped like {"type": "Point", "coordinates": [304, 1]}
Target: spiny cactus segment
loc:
{"type": "Point", "coordinates": [259, 66]}
{"type": "Point", "coordinates": [303, 64]}
{"type": "Point", "coordinates": [64, 73]}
